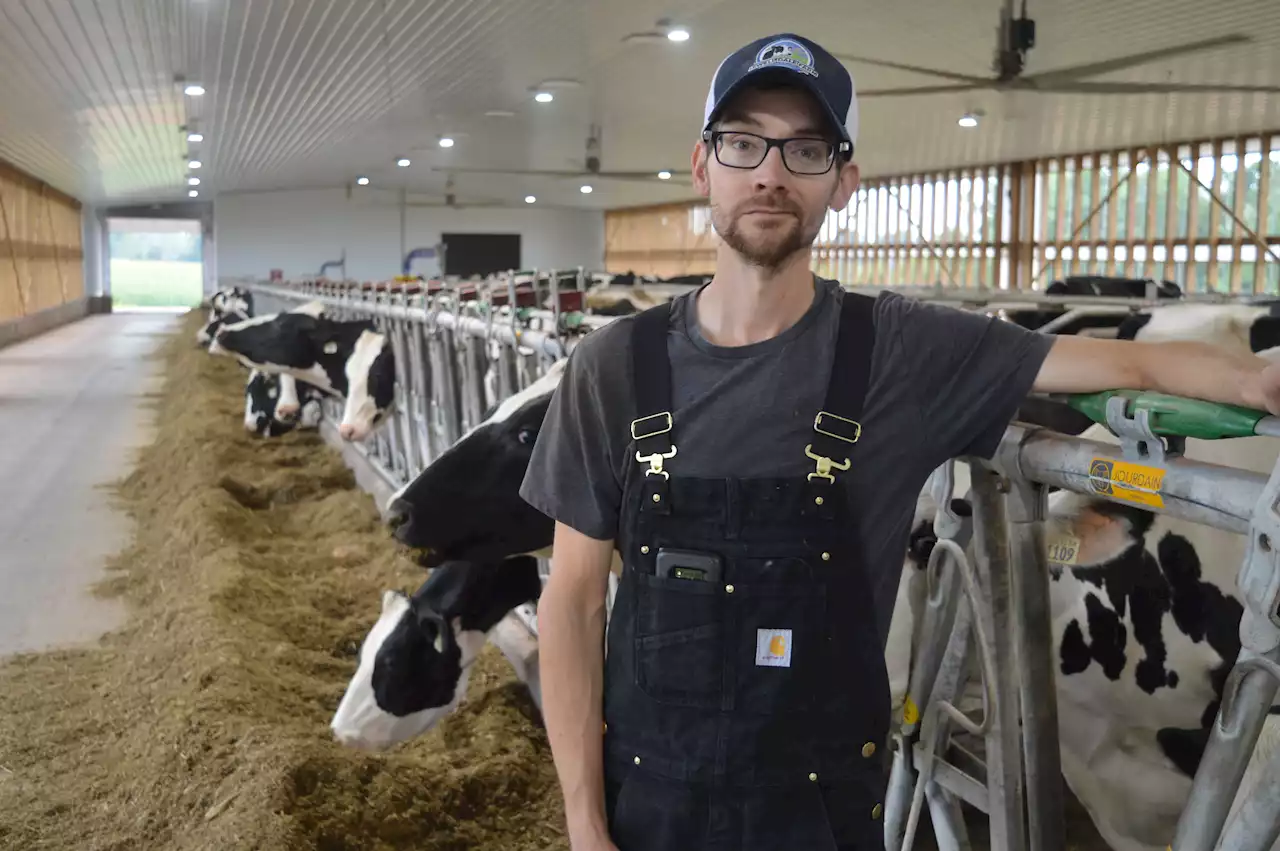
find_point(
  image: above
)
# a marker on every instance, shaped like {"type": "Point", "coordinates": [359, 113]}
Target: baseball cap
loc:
{"type": "Point", "coordinates": [808, 65]}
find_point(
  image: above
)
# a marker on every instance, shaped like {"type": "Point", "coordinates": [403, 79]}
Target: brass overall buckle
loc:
{"type": "Point", "coordinates": [825, 464]}
{"type": "Point", "coordinates": [655, 462]}
{"type": "Point", "coordinates": [655, 459]}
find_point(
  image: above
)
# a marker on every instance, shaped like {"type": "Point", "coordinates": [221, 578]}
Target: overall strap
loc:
{"type": "Point", "coordinates": [651, 388]}
{"type": "Point", "coordinates": [838, 425]}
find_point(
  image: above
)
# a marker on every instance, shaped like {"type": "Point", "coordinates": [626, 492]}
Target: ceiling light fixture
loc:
{"type": "Point", "coordinates": [586, 189]}
{"type": "Point", "coordinates": [529, 199]}
{"type": "Point", "coordinates": [446, 142]}
{"type": "Point", "coordinates": [193, 194]}
{"type": "Point", "coordinates": [678, 34]}
{"type": "Point", "coordinates": [193, 181]}
{"type": "Point", "coordinates": [403, 162]}
{"type": "Point", "coordinates": [195, 137]}
{"type": "Point", "coordinates": [543, 97]}
{"type": "Point", "coordinates": [968, 120]}
{"type": "Point", "coordinates": [193, 90]}
{"type": "Point", "coordinates": [362, 181]}
{"type": "Point", "coordinates": [194, 164]}
{"type": "Point", "coordinates": [664, 175]}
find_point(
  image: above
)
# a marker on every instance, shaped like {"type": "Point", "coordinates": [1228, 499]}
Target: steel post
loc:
{"type": "Point", "coordinates": [1004, 744]}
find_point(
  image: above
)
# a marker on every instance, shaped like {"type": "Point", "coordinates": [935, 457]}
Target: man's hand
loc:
{"type": "Point", "coordinates": [1193, 370]}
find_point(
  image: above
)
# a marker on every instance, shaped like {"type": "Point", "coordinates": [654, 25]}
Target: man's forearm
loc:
{"type": "Point", "coordinates": [1194, 370]}
{"type": "Point", "coordinates": [570, 634]}
{"type": "Point", "coordinates": [1202, 371]}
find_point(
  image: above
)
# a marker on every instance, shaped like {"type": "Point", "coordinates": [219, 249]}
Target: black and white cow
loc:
{"type": "Point", "coordinates": [226, 307]}
{"type": "Point", "coordinates": [349, 359]}
{"type": "Point", "coordinates": [466, 504]}
{"type": "Point", "coordinates": [277, 404]}
{"type": "Point", "coordinates": [416, 661]}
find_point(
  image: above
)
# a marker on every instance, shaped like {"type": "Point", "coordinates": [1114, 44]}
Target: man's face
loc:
{"type": "Point", "coordinates": [767, 214]}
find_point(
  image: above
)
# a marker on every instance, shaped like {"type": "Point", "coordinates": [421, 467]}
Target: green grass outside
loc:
{"type": "Point", "coordinates": [155, 283]}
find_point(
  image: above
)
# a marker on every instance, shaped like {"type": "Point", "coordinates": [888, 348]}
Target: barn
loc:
{"type": "Point", "coordinates": [465, 431]}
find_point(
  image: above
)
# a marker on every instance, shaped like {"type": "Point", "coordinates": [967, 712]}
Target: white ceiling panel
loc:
{"type": "Point", "coordinates": [312, 93]}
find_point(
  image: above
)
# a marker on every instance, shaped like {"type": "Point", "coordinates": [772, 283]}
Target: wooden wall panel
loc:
{"type": "Point", "coordinates": [41, 254]}
{"type": "Point", "coordinates": [1145, 215]}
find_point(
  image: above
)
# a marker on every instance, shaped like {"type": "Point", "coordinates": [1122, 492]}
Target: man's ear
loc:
{"type": "Point", "coordinates": [699, 162]}
{"type": "Point", "coordinates": [846, 185]}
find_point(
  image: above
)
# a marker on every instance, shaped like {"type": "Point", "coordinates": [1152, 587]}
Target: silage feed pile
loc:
{"type": "Point", "coordinates": [256, 569]}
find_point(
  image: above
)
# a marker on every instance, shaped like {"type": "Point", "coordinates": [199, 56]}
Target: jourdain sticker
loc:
{"type": "Point", "coordinates": [773, 648]}
{"type": "Point", "coordinates": [910, 713]}
{"type": "Point", "coordinates": [1134, 483]}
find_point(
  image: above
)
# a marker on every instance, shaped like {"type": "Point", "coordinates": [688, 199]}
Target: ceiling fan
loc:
{"type": "Point", "coordinates": [1018, 35]}
{"type": "Point", "coordinates": [450, 200]}
{"type": "Point", "coordinates": [591, 171]}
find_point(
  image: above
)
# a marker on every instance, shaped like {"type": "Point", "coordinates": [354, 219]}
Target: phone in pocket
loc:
{"type": "Point", "coordinates": [688, 564]}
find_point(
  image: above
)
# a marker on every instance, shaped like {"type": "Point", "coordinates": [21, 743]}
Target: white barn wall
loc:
{"type": "Point", "coordinates": [298, 230]}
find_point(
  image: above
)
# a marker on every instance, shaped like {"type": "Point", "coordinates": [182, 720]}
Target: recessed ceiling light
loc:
{"type": "Point", "coordinates": [446, 142]}
{"type": "Point", "coordinates": [664, 175]}
{"type": "Point", "coordinates": [193, 90]}
{"type": "Point", "coordinates": [586, 189]}
{"type": "Point", "coordinates": [362, 181]}
{"type": "Point", "coordinates": [193, 181]}
{"type": "Point", "coordinates": [968, 120]}
{"type": "Point", "coordinates": [529, 199]}
{"type": "Point", "coordinates": [193, 194]}
{"type": "Point", "coordinates": [678, 34]}
{"type": "Point", "coordinates": [195, 137]}
{"type": "Point", "coordinates": [194, 164]}
{"type": "Point", "coordinates": [403, 162]}
{"type": "Point", "coordinates": [543, 97]}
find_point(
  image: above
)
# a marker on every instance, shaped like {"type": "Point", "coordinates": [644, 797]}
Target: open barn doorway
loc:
{"type": "Point", "coordinates": [156, 264]}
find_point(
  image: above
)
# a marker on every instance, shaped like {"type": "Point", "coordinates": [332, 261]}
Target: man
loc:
{"type": "Point", "coordinates": [754, 450]}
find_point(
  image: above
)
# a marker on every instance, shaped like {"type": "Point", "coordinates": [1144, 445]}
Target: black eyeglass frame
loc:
{"type": "Point", "coordinates": [842, 149]}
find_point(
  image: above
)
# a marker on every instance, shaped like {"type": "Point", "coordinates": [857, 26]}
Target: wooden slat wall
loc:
{"type": "Point", "coordinates": [40, 246]}
{"type": "Point", "coordinates": [1132, 212]}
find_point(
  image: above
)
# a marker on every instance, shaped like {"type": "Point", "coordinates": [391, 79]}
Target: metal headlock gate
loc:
{"type": "Point", "coordinates": [991, 610]}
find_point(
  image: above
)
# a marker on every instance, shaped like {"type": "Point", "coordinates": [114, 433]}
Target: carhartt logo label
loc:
{"type": "Point", "coordinates": [773, 648]}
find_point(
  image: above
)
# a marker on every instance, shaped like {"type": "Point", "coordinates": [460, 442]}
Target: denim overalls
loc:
{"type": "Point", "coordinates": [746, 700]}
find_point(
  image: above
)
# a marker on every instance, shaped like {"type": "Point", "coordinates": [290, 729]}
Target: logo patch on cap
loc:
{"type": "Point", "coordinates": [786, 53]}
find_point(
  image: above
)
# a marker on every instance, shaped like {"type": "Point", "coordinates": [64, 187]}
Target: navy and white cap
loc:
{"type": "Point", "coordinates": [811, 67]}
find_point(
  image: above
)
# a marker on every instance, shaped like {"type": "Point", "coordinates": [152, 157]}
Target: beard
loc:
{"type": "Point", "coordinates": [767, 242]}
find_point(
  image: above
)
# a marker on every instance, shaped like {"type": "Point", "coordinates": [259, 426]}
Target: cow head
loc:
{"type": "Point", "coordinates": [261, 403]}
{"type": "Point", "coordinates": [466, 504]}
{"type": "Point", "coordinates": [351, 359]}
{"type": "Point", "coordinates": [416, 661]}
{"type": "Point", "coordinates": [277, 404]}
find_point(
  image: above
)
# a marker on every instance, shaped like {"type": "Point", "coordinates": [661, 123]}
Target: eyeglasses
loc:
{"type": "Point", "coordinates": [800, 155]}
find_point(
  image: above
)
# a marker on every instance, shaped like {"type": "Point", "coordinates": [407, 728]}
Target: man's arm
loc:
{"type": "Point", "coordinates": [1194, 370]}
{"type": "Point", "coordinates": [571, 621]}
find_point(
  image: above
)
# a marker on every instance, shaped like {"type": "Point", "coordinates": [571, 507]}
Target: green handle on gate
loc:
{"type": "Point", "coordinates": [1173, 415]}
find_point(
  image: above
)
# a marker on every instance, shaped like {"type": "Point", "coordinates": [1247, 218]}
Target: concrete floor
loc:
{"type": "Point", "coordinates": [70, 420]}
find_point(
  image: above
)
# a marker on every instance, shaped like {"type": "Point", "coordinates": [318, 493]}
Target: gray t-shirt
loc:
{"type": "Point", "coordinates": [944, 383]}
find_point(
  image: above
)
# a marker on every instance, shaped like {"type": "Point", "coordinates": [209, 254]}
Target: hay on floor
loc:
{"type": "Point", "coordinates": [256, 569]}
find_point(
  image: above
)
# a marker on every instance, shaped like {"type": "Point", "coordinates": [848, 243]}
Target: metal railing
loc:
{"type": "Point", "coordinates": [462, 348]}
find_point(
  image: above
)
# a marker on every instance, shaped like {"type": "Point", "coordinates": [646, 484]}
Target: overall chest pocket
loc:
{"type": "Point", "coordinates": [679, 644]}
{"type": "Point", "coordinates": [782, 645]}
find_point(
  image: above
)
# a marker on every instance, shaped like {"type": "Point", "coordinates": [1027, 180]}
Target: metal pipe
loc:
{"type": "Point", "coordinates": [1004, 741]}
{"type": "Point", "coordinates": [1246, 697]}
{"type": "Point", "coordinates": [1033, 641]}
{"type": "Point", "coordinates": [1217, 496]}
